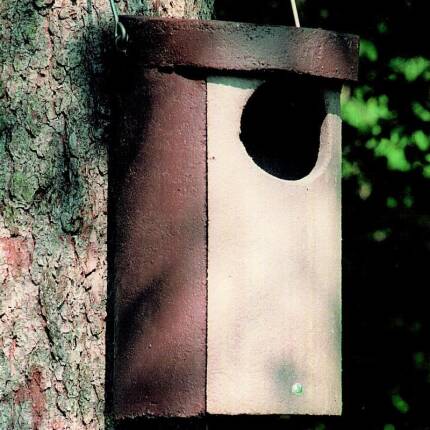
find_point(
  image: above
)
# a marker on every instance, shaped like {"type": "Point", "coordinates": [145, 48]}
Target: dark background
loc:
{"type": "Point", "coordinates": [386, 217]}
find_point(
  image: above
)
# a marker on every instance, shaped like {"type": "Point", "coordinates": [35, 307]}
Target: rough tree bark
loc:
{"type": "Point", "coordinates": [54, 126]}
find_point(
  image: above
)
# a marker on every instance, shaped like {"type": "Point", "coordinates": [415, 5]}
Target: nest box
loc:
{"type": "Point", "coordinates": [226, 198]}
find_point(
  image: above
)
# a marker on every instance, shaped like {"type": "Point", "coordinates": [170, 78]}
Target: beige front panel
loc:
{"type": "Point", "coordinates": [274, 271]}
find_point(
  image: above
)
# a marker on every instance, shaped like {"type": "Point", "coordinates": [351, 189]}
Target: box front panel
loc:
{"type": "Point", "coordinates": [274, 269]}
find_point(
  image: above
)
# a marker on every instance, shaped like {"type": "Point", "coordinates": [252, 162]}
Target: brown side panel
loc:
{"type": "Point", "coordinates": [160, 247]}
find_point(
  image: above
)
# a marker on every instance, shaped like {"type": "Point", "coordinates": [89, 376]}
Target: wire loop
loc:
{"type": "Point", "coordinates": [121, 36]}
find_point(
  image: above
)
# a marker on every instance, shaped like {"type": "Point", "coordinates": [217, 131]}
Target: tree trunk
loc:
{"type": "Point", "coordinates": [54, 126]}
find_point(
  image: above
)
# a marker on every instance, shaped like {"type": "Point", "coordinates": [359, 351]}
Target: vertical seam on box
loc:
{"type": "Point", "coordinates": [207, 242]}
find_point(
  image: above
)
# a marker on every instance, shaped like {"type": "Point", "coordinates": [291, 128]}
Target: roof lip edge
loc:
{"type": "Point", "coordinates": [199, 22]}
{"type": "Point", "coordinates": [235, 46]}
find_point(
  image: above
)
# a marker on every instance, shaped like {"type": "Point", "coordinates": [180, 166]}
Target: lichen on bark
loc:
{"type": "Point", "coordinates": [201, 9]}
{"type": "Point", "coordinates": [54, 130]}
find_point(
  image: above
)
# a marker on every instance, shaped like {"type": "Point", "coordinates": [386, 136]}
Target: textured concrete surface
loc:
{"type": "Point", "coordinates": [160, 259]}
{"type": "Point", "coordinates": [230, 46]}
{"type": "Point", "coordinates": [274, 270]}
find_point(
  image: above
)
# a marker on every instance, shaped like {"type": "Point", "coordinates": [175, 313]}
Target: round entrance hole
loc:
{"type": "Point", "coordinates": [281, 126]}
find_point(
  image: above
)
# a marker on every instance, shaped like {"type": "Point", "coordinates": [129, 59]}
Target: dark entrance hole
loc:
{"type": "Point", "coordinates": [281, 126]}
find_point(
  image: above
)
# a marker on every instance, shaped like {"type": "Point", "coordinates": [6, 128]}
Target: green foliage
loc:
{"type": "Point", "coordinates": [411, 68]}
{"type": "Point", "coordinates": [420, 111]}
{"type": "Point", "coordinates": [366, 113]}
{"type": "Point", "coordinates": [419, 359]}
{"type": "Point", "coordinates": [368, 50]}
{"type": "Point", "coordinates": [380, 122]}
{"type": "Point", "coordinates": [393, 149]}
{"type": "Point", "coordinates": [400, 404]}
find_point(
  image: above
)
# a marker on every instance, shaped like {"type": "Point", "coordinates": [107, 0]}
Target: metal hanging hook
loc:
{"type": "Point", "coordinates": [121, 36]}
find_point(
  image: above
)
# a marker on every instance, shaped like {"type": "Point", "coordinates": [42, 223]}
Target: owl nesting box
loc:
{"type": "Point", "coordinates": [225, 190]}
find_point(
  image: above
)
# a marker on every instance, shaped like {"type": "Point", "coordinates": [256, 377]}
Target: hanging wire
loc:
{"type": "Point", "coordinates": [295, 13]}
{"type": "Point", "coordinates": [121, 36]}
